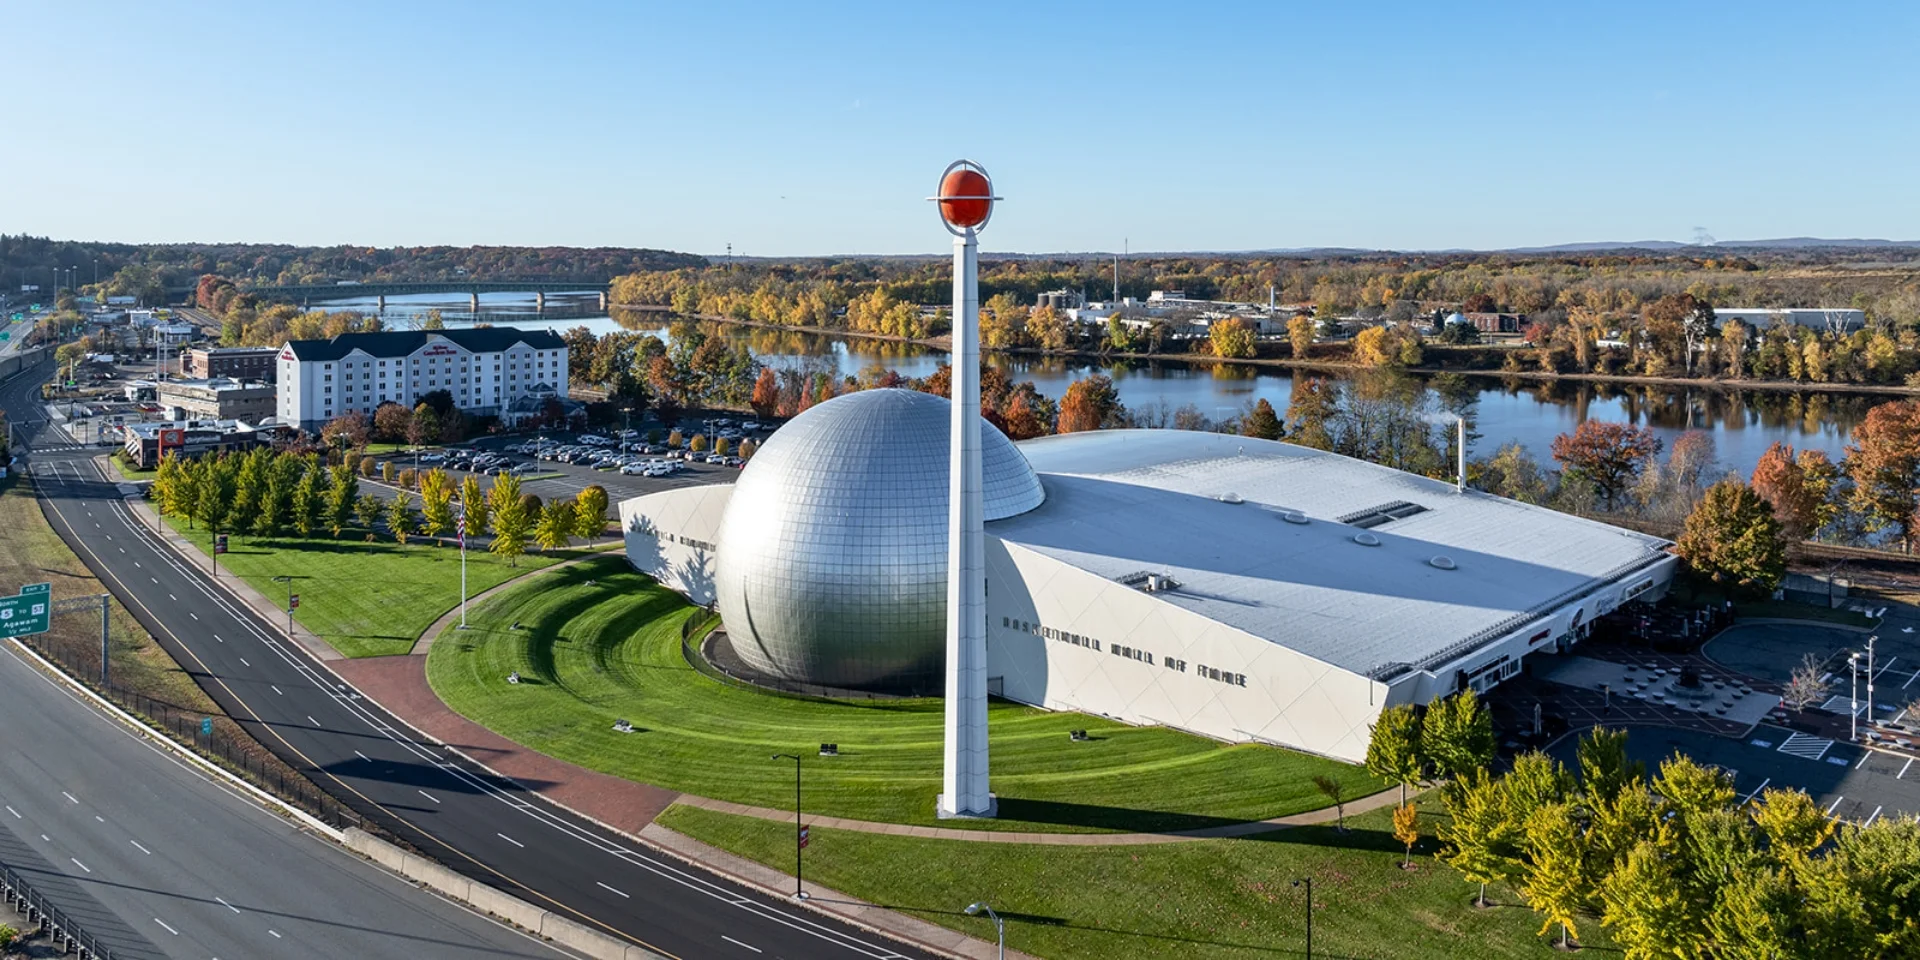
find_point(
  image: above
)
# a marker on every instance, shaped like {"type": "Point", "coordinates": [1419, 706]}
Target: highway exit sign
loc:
{"type": "Point", "coordinates": [29, 613]}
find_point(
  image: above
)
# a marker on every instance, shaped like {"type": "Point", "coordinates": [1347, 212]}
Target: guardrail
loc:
{"type": "Point", "coordinates": [64, 932]}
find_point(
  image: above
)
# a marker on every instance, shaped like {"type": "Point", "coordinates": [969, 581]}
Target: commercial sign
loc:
{"type": "Point", "coordinates": [220, 544]}
{"type": "Point", "coordinates": [293, 601]}
{"type": "Point", "coordinates": [440, 350]}
{"type": "Point", "coordinates": [803, 836]}
{"type": "Point", "coordinates": [29, 613]}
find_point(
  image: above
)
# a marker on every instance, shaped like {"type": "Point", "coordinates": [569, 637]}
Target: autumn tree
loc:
{"type": "Point", "coordinates": [1556, 880]}
{"type": "Point", "coordinates": [367, 508]}
{"type": "Point", "coordinates": [1232, 338]}
{"type": "Point", "coordinates": [1311, 412]}
{"type": "Point", "coordinates": [1090, 403]}
{"type": "Point", "coordinates": [346, 430]}
{"type": "Point", "coordinates": [1882, 461]}
{"type": "Point", "coordinates": [390, 422]}
{"type": "Point", "coordinates": [1609, 455]}
{"type": "Point", "coordinates": [1393, 750]}
{"type": "Point", "coordinates": [766, 393]}
{"type": "Point", "coordinates": [1648, 909]}
{"type": "Point", "coordinates": [1457, 735]}
{"type": "Point", "coordinates": [309, 498]}
{"type": "Point", "coordinates": [423, 426]}
{"type": "Point", "coordinates": [1262, 422]}
{"type": "Point", "coordinates": [1406, 829]}
{"type": "Point", "coordinates": [473, 503]}
{"type": "Point", "coordinates": [1481, 839]}
{"type": "Point", "coordinates": [1335, 792]}
{"type": "Point", "coordinates": [1300, 336]}
{"type": "Point", "coordinates": [1732, 537]}
{"type": "Point", "coordinates": [343, 491]}
{"type": "Point", "coordinates": [556, 525]}
{"type": "Point", "coordinates": [590, 512]}
{"type": "Point", "coordinates": [436, 503]}
{"type": "Point", "coordinates": [1781, 481]}
{"type": "Point", "coordinates": [510, 519]}
{"type": "Point", "coordinates": [400, 518]}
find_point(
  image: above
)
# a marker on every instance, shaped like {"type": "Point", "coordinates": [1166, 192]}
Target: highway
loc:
{"type": "Point", "coordinates": [487, 828]}
{"type": "Point", "coordinates": [156, 860]}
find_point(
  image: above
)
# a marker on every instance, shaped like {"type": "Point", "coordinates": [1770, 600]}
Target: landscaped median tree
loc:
{"type": "Point", "coordinates": [342, 492]}
{"type": "Point", "coordinates": [474, 503]}
{"type": "Point", "coordinates": [590, 512]}
{"type": "Point", "coordinates": [436, 503]}
{"type": "Point", "coordinates": [1732, 538]}
{"type": "Point", "coordinates": [400, 516]}
{"type": "Point", "coordinates": [367, 509]}
{"type": "Point", "coordinates": [510, 517]}
{"type": "Point", "coordinates": [1393, 751]}
{"type": "Point", "coordinates": [1482, 839]}
{"type": "Point", "coordinates": [555, 526]}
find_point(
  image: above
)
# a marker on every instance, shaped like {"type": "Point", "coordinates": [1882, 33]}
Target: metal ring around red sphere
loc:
{"type": "Point", "coordinates": [990, 198]}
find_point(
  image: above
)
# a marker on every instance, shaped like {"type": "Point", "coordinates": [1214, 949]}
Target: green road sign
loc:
{"type": "Point", "coordinates": [29, 613]}
{"type": "Point", "coordinates": [4, 336]}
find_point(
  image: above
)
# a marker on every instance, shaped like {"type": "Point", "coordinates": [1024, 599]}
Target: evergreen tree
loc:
{"type": "Point", "coordinates": [1262, 422]}
{"type": "Point", "coordinates": [1393, 751]}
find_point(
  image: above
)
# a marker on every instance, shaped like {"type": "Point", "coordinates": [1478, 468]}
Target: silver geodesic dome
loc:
{"type": "Point", "coordinates": [832, 554]}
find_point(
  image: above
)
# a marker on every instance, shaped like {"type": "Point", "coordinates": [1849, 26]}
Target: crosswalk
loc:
{"type": "Point", "coordinates": [1806, 747]}
{"type": "Point", "coordinates": [61, 448]}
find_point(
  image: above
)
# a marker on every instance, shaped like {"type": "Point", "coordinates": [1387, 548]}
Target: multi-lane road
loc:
{"type": "Point", "coordinates": [157, 861]}
{"type": "Point", "coordinates": [487, 828]}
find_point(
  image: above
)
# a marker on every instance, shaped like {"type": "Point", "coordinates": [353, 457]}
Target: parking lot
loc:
{"type": "Point", "coordinates": [572, 478]}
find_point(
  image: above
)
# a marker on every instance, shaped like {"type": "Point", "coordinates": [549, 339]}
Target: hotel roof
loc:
{"type": "Point", "coordinates": [404, 342]}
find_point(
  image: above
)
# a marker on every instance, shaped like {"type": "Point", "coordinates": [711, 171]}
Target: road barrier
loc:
{"type": "Point", "coordinates": [64, 933]}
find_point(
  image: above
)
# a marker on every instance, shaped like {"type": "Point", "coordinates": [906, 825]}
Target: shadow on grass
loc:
{"type": "Point", "coordinates": [1015, 918]}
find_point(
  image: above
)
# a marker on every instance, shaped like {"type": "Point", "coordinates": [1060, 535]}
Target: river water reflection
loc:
{"type": "Point", "coordinates": [1742, 423]}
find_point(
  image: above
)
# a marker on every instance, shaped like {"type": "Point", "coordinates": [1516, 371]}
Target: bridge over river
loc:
{"type": "Point", "coordinates": [379, 291]}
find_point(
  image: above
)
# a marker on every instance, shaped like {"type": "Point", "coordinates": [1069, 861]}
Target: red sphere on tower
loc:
{"type": "Point", "coordinates": [966, 198]}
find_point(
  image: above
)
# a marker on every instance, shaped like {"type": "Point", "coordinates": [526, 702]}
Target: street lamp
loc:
{"type": "Point", "coordinates": [999, 926]}
{"type": "Point", "coordinates": [1308, 883]}
{"type": "Point", "coordinates": [290, 601]}
{"type": "Point", "coordinates": [799, 832]}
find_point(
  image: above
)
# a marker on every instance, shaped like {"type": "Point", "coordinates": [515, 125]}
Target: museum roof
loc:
{"type": "Point", "coordinates": [1260, 535]}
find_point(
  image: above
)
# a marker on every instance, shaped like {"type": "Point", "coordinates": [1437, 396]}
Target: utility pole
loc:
{"type": "Point", "coordinates": [1870, 640]}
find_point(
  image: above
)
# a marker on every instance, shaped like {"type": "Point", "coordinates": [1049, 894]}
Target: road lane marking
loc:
{"type": "Point", "coordinates": [16, 813]}
{"type": "Point", "coordinates": [362, 756]}
{"type": "Point", "coordinates": [163, 926]}
{"type": "Point", "coordinates": [615, 890]}
{"type": "Point", "coordinates": [100, 818]}
{"type": "Point", "coordinates": [229, 906]}
{"type": "Point", "coordinates": [193, 615]}
{"type": "Point", "coordinates": [429, 796]}
{"type": "Point", "coordinates": [311, 720]}
{"type": "Point", "coordinates": [276, 689]}
{"type": "Point", "coordinates": [276, 934]}
{"type": "Point", "coordinates": [244, 663]}
{"type": "Point", "coordinates": [1863, 759]}
{"type": "Point", "coordinates": [81, 865]}
{"type": "Point", "coordinates": [511, 840]}
{"type": "Point", "coordinates": [137, 846]}
{"type": "Point", "coordinates": [1903, 768]}
{"type": "Point", "coordinates": [1756, 790]}
{"type": "Point", "coordinates": [69, 796]}
{"type": "Point", "coordinates": [737, 943]}
{"type": "Point", "coordinates": [217, 638]}
{"type": "Point", "coordinates": [1910, 680]}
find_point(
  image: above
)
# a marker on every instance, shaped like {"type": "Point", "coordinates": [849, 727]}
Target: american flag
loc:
{"type": "Point", "coordinates": [460, 529]}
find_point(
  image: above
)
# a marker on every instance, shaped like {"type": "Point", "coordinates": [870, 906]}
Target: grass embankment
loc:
{"type": "Point", "coordinates": [602, 642]}
{"type": "Point", "coordinates": [1203, 900]}
{"type": "Point", "coordinates": [33, 553]}
{"type": "Point", "coordinates": [365, 599]}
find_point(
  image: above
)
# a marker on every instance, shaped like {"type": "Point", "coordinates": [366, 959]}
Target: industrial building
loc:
{"type": "Point", "coordinates": [216, 398]}
{"type": "Point", "coordinates": [1242, 589]}
{"type": "Point", "coordinates": [484, 369]}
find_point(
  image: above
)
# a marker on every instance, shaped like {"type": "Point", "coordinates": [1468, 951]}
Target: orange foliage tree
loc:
{"type": "Point", "coordinates": [1882, 460]}
{"type": "Point", "coordinates": [1610, 455]}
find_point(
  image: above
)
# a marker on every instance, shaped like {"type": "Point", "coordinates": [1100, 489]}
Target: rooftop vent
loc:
{"type": "Point", "coordinates": [1443, 563]}
{"type": "Point", "coordinates": [1230, 497]}
{"type": "Point", "coordinates": [1148, 581]}
{"type": "Point", "coordinates": [1366, 539]}
{"type": "Point", "coordinates": [1384, 513]}
{"type": "Point", "coordinates": [1294, 516]}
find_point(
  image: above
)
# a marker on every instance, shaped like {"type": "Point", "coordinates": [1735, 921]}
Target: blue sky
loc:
{"type": "Point", "coordinates": [791, 129]}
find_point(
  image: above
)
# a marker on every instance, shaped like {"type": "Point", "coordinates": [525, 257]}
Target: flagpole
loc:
{"type": "Point", "coordinates": [463, 567]}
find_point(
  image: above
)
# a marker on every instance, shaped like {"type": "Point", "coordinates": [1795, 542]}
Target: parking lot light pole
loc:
{"type": "Point", "coordinates": [1853, 697]}
{"type": "Point", "coordinates": [799, 832]}
{"type": "Point", "coordinates": [1870, 640]}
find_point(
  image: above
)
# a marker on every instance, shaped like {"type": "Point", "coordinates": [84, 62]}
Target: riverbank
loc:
{"type": "Point", "coordinates": [944, 344]}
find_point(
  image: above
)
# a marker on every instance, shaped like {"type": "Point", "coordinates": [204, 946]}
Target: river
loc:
{"type": "Point", "coordinates": [1742, 423]}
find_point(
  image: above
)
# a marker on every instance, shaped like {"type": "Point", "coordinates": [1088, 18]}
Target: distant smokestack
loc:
{"type": "Point", "coordinates": [1269, 298]}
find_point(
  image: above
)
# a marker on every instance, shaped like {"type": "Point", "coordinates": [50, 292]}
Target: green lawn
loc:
{"type": "Point", "coordinates": [595, 652]}
{"type": "Point", "coordinates": [1207, 900]}
{"type": "Point", "coordinates": [365, 599]}
{"type": "Point", "coordinates": [1766, 607]}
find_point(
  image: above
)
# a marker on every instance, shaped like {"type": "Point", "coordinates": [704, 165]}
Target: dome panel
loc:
{"type": "Point", "coordinates": [832, 554]}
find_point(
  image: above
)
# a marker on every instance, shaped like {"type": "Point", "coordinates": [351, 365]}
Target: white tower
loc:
{"type": "Point", "coordinates": [966, 202]}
